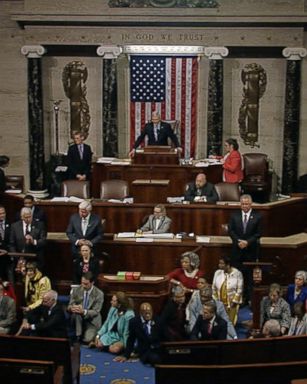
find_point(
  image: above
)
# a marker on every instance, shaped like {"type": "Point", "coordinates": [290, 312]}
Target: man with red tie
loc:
{"type": "Point", "coordinates": [209, 326]}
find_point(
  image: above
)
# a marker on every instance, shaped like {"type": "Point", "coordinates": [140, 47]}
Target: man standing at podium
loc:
{"type": "Point", "coordinates": [157, 132]}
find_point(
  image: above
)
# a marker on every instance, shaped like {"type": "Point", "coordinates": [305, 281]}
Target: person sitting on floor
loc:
{"type": "Point", "coordinates": [7, 311]}
{"type": "Point", "coordinates": [298, 325]}
{"type": "Point", "coordinates": [85, 306]}
{"type": "Point", "coordinates": [46, 320]}
{"type": "Point", "coordinates": [85, 262]}
{"type": "Point", "coordinates": [173, 316]}
{"type": "Point", "coordinates": [113, 334]}
{"type": "Point", "coordinates": [209, 326]}
{"type": "Point", "coordinates": [36, 285]}
{"type": "Point", "coordinates": [145, 333]}
{"type": "Point", "coordinates": [195, 308]}
{"type": "Point", "coordinates": [297, 292]}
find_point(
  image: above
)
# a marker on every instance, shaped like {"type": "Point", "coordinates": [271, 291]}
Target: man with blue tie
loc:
{"type": "Point", "coordinates": [85, 306]}
{"type": "Point", "coordinates": [157, 132]}
{"type": "Point", "coordinates": [79, 158]}
{"type": "Point", "coordinates": [244, 228]}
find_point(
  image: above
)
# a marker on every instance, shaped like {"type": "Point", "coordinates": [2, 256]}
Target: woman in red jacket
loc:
{"type": "Point", "coordinates": [232, 162]}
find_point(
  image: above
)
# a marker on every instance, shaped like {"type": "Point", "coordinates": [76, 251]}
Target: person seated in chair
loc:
{"type": "Point", "coordinates": [158, 222]}
{"type": "Point", "coordinates": [201, 191]}
{"type": "Point", "coordinates": [145, 333]}
{"type": "Point", "coordinates": [79, 159]}
{"type": "Point", "coordinates": [47, 320]}
{"type": "Point", "coordinates": [157, 132]}
{"type": "Point", "coordinates": [209, 326]}
{"type": "Point", "coordinates": [7, 311]}
{"type": "Point", "coordinates": [85, 306]}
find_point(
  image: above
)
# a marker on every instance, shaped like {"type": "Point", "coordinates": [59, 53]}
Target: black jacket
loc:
{"type": "Point", "coordinates": [207, 190]}
{"type": "Point", "coordinates": [164, 133]}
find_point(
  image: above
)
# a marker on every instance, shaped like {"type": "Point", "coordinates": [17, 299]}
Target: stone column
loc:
{"type": "Point", "coordinates": [292, 118]}
{"type": "Point", "coordinates": [215, 99]}
{"type": "Point", "coordinates": [35, 113]}
{"type": "Point", "coordinates": [109, 99]}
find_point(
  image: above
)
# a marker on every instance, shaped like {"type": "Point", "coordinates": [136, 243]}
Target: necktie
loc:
{"type": "Point", "coordinates": [81, 151]}
{"type": "Point", "coordinates": [146, 326]}
{"type": "Point", "coordinates": [245, 222]}
{"type": "Point", "coordinates": [28, 229]}
{"type": "Point", "coordinates": [84, 226]}
{"type": "Point", "coordinates": [157, 223]}
{"type": "Point", "coordinates": [209, 328]}
{"type": "Point", "coordinates": [85, 300]}
{"type": "Point", "coordinates": [156, 131]}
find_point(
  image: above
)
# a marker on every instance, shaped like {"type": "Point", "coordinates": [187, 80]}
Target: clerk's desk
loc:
{"type": "Point", "coordinates": [177, 175]}
{"type": "Point", "coordinates": [280, 218]}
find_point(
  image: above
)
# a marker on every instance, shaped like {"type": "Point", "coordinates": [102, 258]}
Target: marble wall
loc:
{"type": "Point", "coordinates": [88, 23]}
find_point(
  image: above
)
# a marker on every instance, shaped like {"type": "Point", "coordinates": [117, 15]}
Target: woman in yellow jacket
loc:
{"type": "Point", "coordinates": [36, 285]}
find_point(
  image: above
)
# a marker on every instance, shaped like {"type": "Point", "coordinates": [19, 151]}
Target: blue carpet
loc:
{"type": "Point", "coordinates": [99, 368]}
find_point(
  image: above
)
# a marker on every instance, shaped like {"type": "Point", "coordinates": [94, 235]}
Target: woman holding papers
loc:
{"type": "Point", "coordinates": [187, 276]}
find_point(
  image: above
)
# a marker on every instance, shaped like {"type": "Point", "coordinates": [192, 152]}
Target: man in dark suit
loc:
{"type": "Point", "coordinates": [37, 213]}
{"type": "Point", "coordinates": [209, 326]}
{"type": "Point", "coordinates": [201, 191]}
{"type": "Point", "coordinates": [27, 236]}
{"type": "Point", "coordinates": [4, 243]}
{"type": "Point", "coordinates": [157, 132]}
{"type": "Point", "coordinates": [47, 320]}
{"type": "Point", "coordinates": [79, 158]}
{"type": "Point", "coordinates": [244, 228]}
{"type": "Point", "coordinates": [84, 228]}
{"type": "Point", "coordinates": [145, 330]}
{"type": "Point", "coordinates": [7, 312]}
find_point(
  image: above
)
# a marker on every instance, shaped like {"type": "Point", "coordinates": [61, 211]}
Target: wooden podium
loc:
{"type": "Point", "coordinates": [152, 289]}
{"type": "Point", "coordinates": [156, 154]}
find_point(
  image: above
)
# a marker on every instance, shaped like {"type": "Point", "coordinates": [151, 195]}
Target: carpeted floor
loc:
{"type": "Point", "coordinates": [99, 368]}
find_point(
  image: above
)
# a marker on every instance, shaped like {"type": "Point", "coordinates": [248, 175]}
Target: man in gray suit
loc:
{"type": "Point", "coordinates": [85, 306]}
{"type": "Point", "coordinates": [158, 222]}
{"type": "Point", "coordinates": [7, 312]}
{"type": "Point", "coordinates": [84, 228]}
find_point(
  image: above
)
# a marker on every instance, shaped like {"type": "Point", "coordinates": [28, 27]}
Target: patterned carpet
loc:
{"type": "Point", "coordinates": [99, 368]}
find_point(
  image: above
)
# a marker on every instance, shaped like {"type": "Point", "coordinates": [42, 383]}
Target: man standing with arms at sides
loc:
{"type": "Point", "coordinates": [201, 191]}
{"type": "Point", "coordinates": [84, 228]}
{"type": "Point", "coordinates": [157, 132]}
{"type": "Point", "coordinates": [244, 228]}
{"type": "Point", "coordinates": [79, 159]}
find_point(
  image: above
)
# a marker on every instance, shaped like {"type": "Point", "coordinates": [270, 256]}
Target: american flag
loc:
{"type": "Point", "coordinates": [167, 85]}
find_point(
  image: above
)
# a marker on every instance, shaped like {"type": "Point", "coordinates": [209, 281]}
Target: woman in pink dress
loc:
{"type": "Point", "coordinates": [232, 162]}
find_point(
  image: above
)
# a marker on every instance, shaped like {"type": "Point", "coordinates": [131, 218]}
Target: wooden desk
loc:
{"type": "Point", "coordinates": [156, 155]}
{"type": "Point", "coordinates": [179, 175]}
{"type": "Point", "coordinates": [154, 191]}
{"type": "Point", "coordinates": [281, 218]}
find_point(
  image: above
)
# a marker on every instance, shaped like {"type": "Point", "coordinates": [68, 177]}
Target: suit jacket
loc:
{"type": "Point", "coordinates": [207, 190]}
{"type": "Point", "coordinates": [4, 242]}
{"type": "Point", "coordinates": [164, 226]}
{"type": "Point", "coordinates": [252, 235]}
{"type": "Point", "coordinates": [233, 167]}
{"type": "Point", "coordinates": [95, 303]}
{"type": "Point", "coordinates": [17, 237]}
{"type": "Point", "coordinates": [164, 133]}
{"type": "Point", "coordinates": [75, 164]}
{"type": "Point", "coordinates": [301, 297]}
{"type": "Point", "coordinates": [281, 312]}
{"type": "Point", "coordinates": [218, 331]}
{"type": "Point", "coordinates": [145, 342]}
{"type": "Point", "coordinates": [48, 325]}
{"type": "Point", "coordinates": [7, 312]}
{"type": "Point", "coordinates": [93, 233]}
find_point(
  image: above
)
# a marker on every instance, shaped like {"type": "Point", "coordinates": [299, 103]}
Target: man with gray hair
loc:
{"type": "Point", "coordinates": [47, 320]}
{"type": "Point", "coordinates": [84, 228]}
{"type": "Point", "coordinates": [27, 236]}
